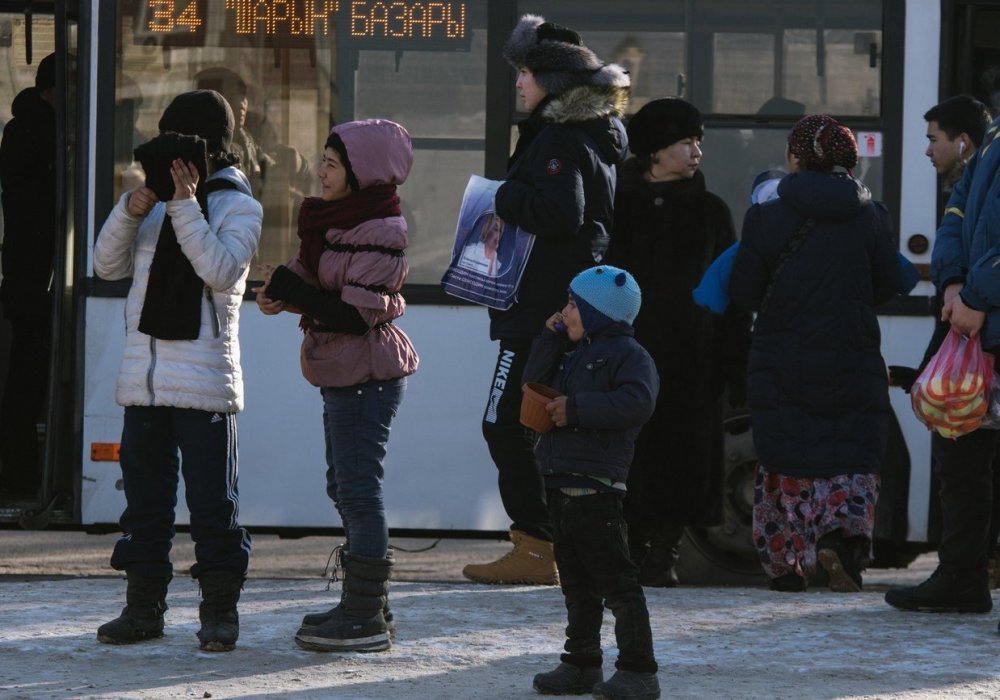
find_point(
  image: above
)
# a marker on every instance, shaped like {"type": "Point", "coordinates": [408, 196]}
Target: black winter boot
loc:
{"type": "Point", "coordinates": [658, 568]}
{"type": "Point", "coordinates": [358, 623]}
{"type": "Point", "coordinates": [945, 591]}
{"type": "Point", "coordinates": [142, 617]}
{"type": "Point", "coordinates": [220, 623]}
{"type": "Point", "coordinates": [337, 612]}
{"type": "Point", "coordinates": [629, 685]}
{"type": "Point", "coordinates": [568, 679]}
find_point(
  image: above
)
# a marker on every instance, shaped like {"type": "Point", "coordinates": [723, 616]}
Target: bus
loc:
{"type": "Point", "coordinates": [751, 66]}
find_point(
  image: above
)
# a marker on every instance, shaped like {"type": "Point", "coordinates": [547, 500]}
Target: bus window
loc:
{"type": "Point", "coordinates": [302, 67]}
{"type": "Point", "coordinates": [440, 97]}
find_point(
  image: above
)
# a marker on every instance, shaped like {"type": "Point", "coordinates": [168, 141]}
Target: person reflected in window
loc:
{"type": "Point", "coordinates": [668, 230]}
{"type": "Point", "coordinates": [27, 178]}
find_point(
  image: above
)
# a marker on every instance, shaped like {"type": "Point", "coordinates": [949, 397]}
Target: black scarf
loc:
{"type": "Point", "coordinates": [171, 309]}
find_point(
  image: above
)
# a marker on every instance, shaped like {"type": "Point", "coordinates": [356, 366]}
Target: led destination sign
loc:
{"type": "Point", "coordinates": [373, 24]}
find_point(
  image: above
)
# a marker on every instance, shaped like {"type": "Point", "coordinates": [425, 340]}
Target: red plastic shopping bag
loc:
{"type": "Point", "coordinates": [952, 394]}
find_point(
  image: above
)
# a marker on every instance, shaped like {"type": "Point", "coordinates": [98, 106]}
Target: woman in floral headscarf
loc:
{"type": "Point", "coordinates": [814, 264]}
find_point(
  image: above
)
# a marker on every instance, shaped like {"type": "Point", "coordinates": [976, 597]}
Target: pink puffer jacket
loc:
{"type": "Point", "coordinates": [369, 278]}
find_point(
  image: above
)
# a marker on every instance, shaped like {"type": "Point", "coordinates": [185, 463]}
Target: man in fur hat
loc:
{"type": "Point", "coordinates": [560, 187]}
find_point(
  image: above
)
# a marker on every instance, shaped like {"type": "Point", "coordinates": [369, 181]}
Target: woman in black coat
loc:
{"type": "Point", "coordinates": [668, 229]}
{"type": "Point", "coordinates": [814, 264]}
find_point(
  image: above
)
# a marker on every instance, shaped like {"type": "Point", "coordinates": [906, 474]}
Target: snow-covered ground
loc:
{"type": "Point", "coordinates": [462, 640]}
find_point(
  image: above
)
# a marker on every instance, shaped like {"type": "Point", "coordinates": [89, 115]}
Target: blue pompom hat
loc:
{"type": "Point", "coordinates": [604, 295]}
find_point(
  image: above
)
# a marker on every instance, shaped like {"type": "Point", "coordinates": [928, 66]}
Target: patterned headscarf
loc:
{"type": "Point", "coordinates": [820, 142]}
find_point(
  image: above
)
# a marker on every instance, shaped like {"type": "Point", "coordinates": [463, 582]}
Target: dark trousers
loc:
{"type": "Point", "coordinates": [511, 445]}
{"type": "Point", "coordinates": [207, 444]}
{"type": "Point", "coordinates": [24, 398]}
{"type": "Point", "coordinates": [964, 468]}
{"type": "Point", "coordinates": [595, 570]}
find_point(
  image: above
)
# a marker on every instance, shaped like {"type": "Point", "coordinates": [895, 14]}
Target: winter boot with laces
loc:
{"type": "Point", "coordinates": [945, 591]}
{"type": "Point", "coordinates": [568, 679]}
{"type": "Point", "coordinates": [142, 617]}
{"type": "Point", "coordinates": [531, 561]}
{"type": "Point", "coordinates": [337, 612]}
{"type": "Point", "coordinates": [628, 685]}
{"type": "Point", "coordinates": [357, 624]}
{"type": "Point", "coordinates": [220, 623]}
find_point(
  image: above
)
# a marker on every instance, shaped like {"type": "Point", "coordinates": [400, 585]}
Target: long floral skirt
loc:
{"type": "Point", "coordinates": [791, 513]}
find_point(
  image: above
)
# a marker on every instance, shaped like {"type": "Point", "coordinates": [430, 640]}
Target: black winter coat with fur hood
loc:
{"type": "Point", "coordinates": [560, 186]}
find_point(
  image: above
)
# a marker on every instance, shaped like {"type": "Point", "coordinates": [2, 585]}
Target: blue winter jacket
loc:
{"type": "Point", "coordinates": [967, 247]}
{"type": "Point", "coordinates": [612, 384]}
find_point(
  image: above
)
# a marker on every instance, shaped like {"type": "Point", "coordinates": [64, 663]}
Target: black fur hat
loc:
{"type": "Point", "coordinates": [557, 58]}
{"type": "Point", "coordinates": [661, 123]}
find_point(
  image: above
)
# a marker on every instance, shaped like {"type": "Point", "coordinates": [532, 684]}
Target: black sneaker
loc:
{"type": "Point", "coordinates": [628, 685]}
{"type": "Point", "coordinates": [944, 591]}
{"type": "Point", "coordinates": [568, 679]}
{"type": "Point", "coordinates": [789, 583]}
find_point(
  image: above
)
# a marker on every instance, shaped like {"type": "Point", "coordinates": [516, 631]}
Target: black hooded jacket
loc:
{"type": "Point", "coordinates": [27, 177]}
{"type": "Point", "coordinates": [561, 187]}
{"type": "Point", "coordinates": [817, 383]}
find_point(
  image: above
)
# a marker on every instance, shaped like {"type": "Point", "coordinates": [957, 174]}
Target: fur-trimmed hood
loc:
{"type": "Point", "coordinates": [586, 102]}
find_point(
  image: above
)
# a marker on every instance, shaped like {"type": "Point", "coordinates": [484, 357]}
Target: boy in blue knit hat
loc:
{"type": "Point", "coordinates": [609, 384]}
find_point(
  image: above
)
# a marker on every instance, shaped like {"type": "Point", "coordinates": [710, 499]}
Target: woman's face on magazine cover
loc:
{"type": "Point", "coordinates": [571, 317]}
{"type": "Point", "coordinates": [333, 177]}
{"type": "Point", "coordinates": [530, 92]}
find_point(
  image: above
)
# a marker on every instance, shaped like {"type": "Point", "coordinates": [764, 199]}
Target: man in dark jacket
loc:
{"type": "Point", "coordinates": [963, 267]}
{"type": "Point", "coordinates": [559, 187]}
{"type": "Point", "coordinates": [27, 177]}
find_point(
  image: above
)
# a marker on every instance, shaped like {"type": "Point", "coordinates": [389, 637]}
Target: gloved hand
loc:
{"type": "Point", "coordinates": [903, 377]}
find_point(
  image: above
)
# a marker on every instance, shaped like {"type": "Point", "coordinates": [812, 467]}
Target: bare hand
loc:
{"type": "Point", "coordinates": [268, 306]}
{"type": "Point", "coordinates": [552, 320]}
{"type": "Point", "coordinates": [185, 177]}
{"type": "Point", "coordinates": [963, 319]}
{"type": "Point", "coordinates": [141, 201]}
{"type": "Point", "coordinates": [950, 292]}
{"type": "Point", "coordinates": [557, 411]}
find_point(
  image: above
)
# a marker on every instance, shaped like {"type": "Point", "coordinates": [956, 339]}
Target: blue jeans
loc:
{"type": "Point", "coordinates": [356, 422]}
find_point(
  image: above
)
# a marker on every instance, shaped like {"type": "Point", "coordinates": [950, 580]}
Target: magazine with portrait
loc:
{"type": "Point", "coordinates": [489, 255]}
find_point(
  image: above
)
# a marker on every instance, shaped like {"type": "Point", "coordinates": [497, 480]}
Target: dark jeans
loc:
{"type": "Point", "coordinates": [356, 423]}
{"type": "Point", "coordinates": [964, 468]}
{"type": "Point", "coordinates": [595, 571]}
{"type": "Point", "coordinates": [24, 399]}
{"type": "Point", "coordinates": [511, 445]}
{"type": "Point", "coordinates": [151, 438]}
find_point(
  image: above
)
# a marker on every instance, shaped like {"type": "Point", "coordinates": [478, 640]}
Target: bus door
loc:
{"type": "Point", "coordinates": [970, 52]}
{"type": "Point", "coordinates": [37, 107]}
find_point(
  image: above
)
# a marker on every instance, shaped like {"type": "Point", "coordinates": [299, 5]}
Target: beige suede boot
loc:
{"type": "Point", "coordinates": [530, 561]}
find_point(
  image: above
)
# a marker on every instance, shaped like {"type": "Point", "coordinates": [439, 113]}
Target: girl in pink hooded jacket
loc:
{"type": "Point", "coordinates": [345, 283]}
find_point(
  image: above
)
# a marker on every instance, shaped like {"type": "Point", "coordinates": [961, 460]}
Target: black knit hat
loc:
{"type": "Point", "coordinates": [203, 113]}
{"type": "Point", "coordinates": [661, 123]}
{"type": "Point", "coordinates": [557, 58]}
